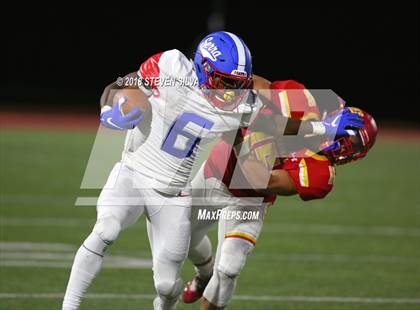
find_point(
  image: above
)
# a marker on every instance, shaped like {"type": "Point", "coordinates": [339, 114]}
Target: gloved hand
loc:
{"type": "Point", "coordinates": [341, 123]}
{"type": "Point", "coordinates": [114, 119]}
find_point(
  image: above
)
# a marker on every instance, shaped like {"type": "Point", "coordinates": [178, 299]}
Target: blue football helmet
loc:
{"type": "Point", "coordinates": [224, 69]}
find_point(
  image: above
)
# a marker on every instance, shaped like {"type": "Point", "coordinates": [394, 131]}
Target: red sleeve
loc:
{"type": "Point", "coordinates": [278, 86]}
{"type": "Point", "coordinates": [149, 71]}
{"type": "Point", "coordinates": [288, 84]}
{"type": "Point", "coordinates": [294, 100]}
{"type": "Point", "coordinates": [312, 177]}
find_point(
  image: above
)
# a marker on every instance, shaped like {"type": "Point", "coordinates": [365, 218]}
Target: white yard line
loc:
{"type": "Point", "coordinates": [34, 246]}
{"type": "Point", "coordinates": [36, 264]}
{"type": "Point", "coordinates": [56, 255]}
{"type": "Point", "coordinates": [53, 255]}
{"type": "Point", "coordinates": [48, 221]}
{"type": "Point", "coordinates": [108, 263]}
{"type": "Point", "coordinates": [44, 256]}
{"type": "Point", "coordinates": [268, 298]}
{"type": "Point", "coordinates": [337, 299]}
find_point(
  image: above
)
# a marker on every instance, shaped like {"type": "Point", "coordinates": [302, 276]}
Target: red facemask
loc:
{"type": "Point", "coordinates": [225, 91]}
{"type": "Point", "coordinates": [347, 149]}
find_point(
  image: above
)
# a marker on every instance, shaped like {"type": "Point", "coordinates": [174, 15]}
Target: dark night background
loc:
{"type": "Point", "coordinates": [63, 57]}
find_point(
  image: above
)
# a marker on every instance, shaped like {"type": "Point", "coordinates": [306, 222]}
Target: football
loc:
{"type": "Point", "coordinates": [134, 98]}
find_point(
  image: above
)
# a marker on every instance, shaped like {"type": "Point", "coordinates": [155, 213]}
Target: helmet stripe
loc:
{"type": "Point", "coordinates": [241, 50]}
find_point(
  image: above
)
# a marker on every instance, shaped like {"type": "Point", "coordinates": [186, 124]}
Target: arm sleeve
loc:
{"type": "Point", "coordinates": [293, 100]}
{"type": "Point", "coordinates": [313, 178]}
{"type": "Point", "coordinates": [290, 104]}
{"type": "Point", "coordinates": [149, 73]}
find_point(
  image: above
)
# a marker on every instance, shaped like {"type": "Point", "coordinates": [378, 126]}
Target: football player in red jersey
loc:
{"type": "Point", "coordinates": [250, 182]}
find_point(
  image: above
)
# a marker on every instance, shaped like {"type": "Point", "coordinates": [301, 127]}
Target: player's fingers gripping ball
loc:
{"type": "Point", "coordinates": [131, 102]}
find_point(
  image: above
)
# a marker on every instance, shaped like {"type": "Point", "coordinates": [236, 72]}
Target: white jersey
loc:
{"type": "Point", "coordinates": [182, 119]}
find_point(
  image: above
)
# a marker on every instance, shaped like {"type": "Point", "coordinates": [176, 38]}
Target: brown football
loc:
{"type": "Point", "coordinates": [135, 98]}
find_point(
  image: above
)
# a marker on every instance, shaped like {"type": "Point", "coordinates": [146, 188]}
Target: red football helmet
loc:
{"type": "Point", "coordinates": [354, 147]}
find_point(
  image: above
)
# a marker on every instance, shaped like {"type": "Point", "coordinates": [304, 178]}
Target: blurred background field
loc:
{"type": "Point", "coordinates": [357, 249]}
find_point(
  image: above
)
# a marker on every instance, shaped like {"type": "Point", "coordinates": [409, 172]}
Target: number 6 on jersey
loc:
{"type": "Point", "coordinates": [178, 129]}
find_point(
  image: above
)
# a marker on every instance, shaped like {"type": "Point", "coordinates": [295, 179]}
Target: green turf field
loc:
{"type": "Point", "coordinates": [357, 249]}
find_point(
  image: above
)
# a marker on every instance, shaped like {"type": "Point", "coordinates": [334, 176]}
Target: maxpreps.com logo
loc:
{"type": "Point", "coordinates": [209, 50]}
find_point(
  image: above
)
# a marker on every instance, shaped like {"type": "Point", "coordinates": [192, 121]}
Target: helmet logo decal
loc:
{"type": "Point", "coordinates": [209, 50]}
{"type": "Point", "coordinates": [239, 73]}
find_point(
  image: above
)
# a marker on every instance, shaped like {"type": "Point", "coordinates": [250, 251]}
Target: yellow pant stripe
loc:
{"type": "Point", "coordinates": [241, 235]}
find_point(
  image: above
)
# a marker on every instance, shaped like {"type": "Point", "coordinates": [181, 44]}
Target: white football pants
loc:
{"type": "Point", "coordinates": [123, 200]}
{"type": "Point", "coordinates": [236, 237]}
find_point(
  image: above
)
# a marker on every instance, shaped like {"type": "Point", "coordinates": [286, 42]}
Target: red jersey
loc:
{"type": "Point", "coordinates": [222, 161]}
{"type": "Point", "coordinates": [312, 174]}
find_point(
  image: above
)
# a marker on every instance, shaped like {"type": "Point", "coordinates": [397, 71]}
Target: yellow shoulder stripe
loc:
{"type": "Point", "coordinates": [316, 156]}
{"type": "Point", "coordinates": [303, 173]}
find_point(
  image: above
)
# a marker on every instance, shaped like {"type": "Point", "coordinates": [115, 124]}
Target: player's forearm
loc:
{"type": "Point", "coordinates": [265, 181]}
{"type": "Point", "coordinates": [123, 105]}
{"type": "Point", "coordinates": [281, 183]}
{"type": "Point", "coordinates": [293, 127]}
{"type": "Point", "coordinates": [107, 96]}
{"type": "Point", "coordinates": [106, 99]}
{"type": "Point", "coordinates": [260, 83]}
{"type": "Point", "coordinates": [255, 173]}
{"type": "Point", "coordinates": [278, 126]}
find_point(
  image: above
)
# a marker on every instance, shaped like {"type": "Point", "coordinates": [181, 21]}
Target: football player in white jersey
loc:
{"type": "Point", "coordinates": [191, 102]}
